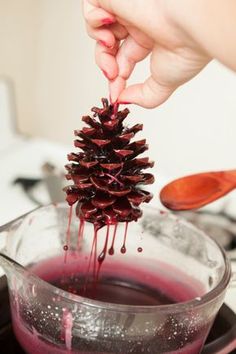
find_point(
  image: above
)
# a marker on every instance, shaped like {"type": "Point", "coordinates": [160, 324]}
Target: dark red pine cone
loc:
{"type": "Point", "coordinates": [107, 175]}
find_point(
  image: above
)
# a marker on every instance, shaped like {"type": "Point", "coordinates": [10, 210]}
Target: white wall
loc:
{"type": "Point", "coordinates": [195, 129]}
{"type": "Point", "coordinates": [48, 56]}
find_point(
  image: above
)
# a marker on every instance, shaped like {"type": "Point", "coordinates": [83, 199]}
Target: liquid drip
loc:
{"type": "Point", "coordinates": [102, 255]}
{"type": "Point", "coordinates": [95, 262]}
{"type": "Point", "coordinates": [92, 258]}
{"type": "Point", "coordinates": [140, 249]}
{"type": "Point", "coordinates": [95, 253]}
{"type": "Point", "coordinates": [80, 233]}
{"type": "Point", "coordinates": [111, 249]}
{"type": "Point", "coordinates": [123, 248]}
{"type": "Point", "coordinates": [67, 245]}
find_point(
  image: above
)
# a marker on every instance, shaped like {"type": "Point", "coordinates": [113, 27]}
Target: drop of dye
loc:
{"type": "Point", "coordinates": [123, 249]}
{"type": "Point", "coordinates": [102, 255]}
{"type": "Point", "coordinates": [111, 251]}
{"type": "Point", "coordinates": [140, 249]}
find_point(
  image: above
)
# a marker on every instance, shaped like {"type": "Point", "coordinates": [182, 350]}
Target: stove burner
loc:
{"type": "Point", "coordinates": [223, 327]}
{"type": "Point", "coordinates": [219, 226]}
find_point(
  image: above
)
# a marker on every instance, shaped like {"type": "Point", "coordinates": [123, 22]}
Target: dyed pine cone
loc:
{"type": "Point", "coordinates": [107, 175]}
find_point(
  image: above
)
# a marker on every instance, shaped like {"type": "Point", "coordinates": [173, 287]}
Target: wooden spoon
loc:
{"type": "Point", "coordinates": [195, 191]}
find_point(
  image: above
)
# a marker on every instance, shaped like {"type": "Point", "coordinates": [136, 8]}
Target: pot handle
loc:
{"type": "Point", "coordinates": [223, 345]}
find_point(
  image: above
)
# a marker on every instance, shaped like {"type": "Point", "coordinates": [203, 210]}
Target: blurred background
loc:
{"type": "Point", "coordinates": [48, 80]}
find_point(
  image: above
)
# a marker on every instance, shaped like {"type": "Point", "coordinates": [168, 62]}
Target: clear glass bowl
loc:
{"type": "Point", "coordinates": [161, 296]}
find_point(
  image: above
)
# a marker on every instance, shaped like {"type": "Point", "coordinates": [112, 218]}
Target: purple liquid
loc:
{"type": "Point", "coordinates": [118, 283]}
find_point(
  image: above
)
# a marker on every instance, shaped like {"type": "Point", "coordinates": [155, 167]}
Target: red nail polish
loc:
{"type": "Point", "coordinates": [107, 21]}
{"type": "Point", "coordinates": [105, 74]}
{"type": "Point", "coordinates": [124, 102]}
{"type": "Point", "coordinates": [103, 43]}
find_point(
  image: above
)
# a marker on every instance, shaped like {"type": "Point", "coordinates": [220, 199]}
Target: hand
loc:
{"type": "Point", "coordinates": [128, 31]}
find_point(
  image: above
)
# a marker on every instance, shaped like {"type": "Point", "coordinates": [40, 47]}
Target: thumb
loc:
{"type": "Point", "coordinates": [149, 94]}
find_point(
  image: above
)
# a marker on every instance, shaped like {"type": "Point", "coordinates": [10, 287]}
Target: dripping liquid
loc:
{"type": "Point", "coordinates": [123, 248]}
{"type": "Point", "coordinates": [68, 233]}
{"type": "Point", "coordinates": [96, 275]}
{"type": "Point", "coordinates": [111, 249]}
{"type": "Point", "coordinates": [95, 259]}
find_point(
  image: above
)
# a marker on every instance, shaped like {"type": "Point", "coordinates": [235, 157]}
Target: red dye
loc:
{"type": "Point", "coordinates": [123, 248]}
{"type": "Point", "coordinates": [94, 261]}
{"type": "Point", "coordinates": [80, 232]}
{"type": "Point", "coordinates": [92, 258]}
{"type": "Point", "coordinates": [140, 249]}
{"type": "Point", "coordinates": [120, 283]}
{"type": "Point", "coordinates": [111, 249]}
{"type": "Point", "coordinates": [67, 245]}
{"type": "Point", "coordinates": [102, 255]}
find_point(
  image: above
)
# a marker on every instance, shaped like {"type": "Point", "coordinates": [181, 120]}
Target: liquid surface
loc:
{"type": "Point", "coordinates": [124, 283]}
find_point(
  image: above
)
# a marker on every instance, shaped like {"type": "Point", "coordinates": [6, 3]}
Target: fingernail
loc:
{"type": "Point", "coordinates": [105, 74]}
{"type": "Point", "coordinates": [108, 21]}
{"type": "Point", "coordinates": [105, 44]}
{"type": "Point", "coordinates": [124, 102]}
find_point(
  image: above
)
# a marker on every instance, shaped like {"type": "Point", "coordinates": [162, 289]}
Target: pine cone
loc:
{"type": "Point", "coordinates": [107, 174]}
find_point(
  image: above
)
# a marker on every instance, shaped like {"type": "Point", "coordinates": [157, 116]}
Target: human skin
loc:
{"type": "Point", "coordinates": [181, 37]}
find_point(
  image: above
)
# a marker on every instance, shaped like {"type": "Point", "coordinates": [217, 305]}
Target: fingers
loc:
{"type": "Point", "coordinates": [169, 70]}
{"type": "Point", "coordinates": [95, 15]}
{"type": "Point", "coordinates": [117, 63]}
{"type": "Point", "coordinates": [103, 36]}
{"type": "Point", "coordinates": [119, 31]}
{"type": "Point", "coordinates": [107, 37]}
{"type": "Point", "coordinates": [149, 94]}
{"type": "Point", "coordinates": [98, 17]}
{"type": "Point", "coordinates": [116, 86]}
{"type": "Point", "coordinates": [105, 59]}
{"type": "Point", "coordinates": [128, 55]}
